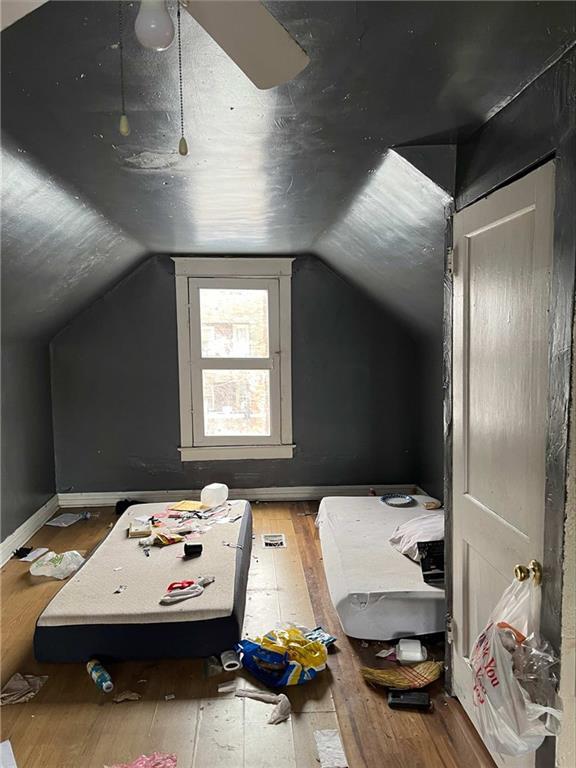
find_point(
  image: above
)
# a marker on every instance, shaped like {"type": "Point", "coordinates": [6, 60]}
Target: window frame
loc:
{"type": "Point", "coordinates": [274, 274]}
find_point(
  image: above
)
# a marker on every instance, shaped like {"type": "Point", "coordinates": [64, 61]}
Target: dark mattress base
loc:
{"type": "Point", "coordinates": [166, 640]}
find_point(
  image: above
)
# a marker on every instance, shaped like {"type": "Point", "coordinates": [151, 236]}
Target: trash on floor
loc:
{"type": "Point", "coordinates": [230, 661]}
{"type": "Point", "coordinates": [126, 696]}
{"type": "Point", "coordinates": [227, 687]}
{"type": "Point", "coordinates": [21, 552]}
{"type": "Point", "coordinates": [282, 709]}
{"type": "Point", "coordinates": [319, 634]}
{"type": "Point", "coordinates": [330, 749]}
{"type": "Point", "coordinates": [387, 653]}
{"type": "Point", "coordinates": [28, 555]}
{"type": "Point", "coordinates": [419, 700]}
{"type": "Point", "coordinates": [7, 759]}
{"type": "Point", "coordinates": [283, 657]}
{"type": "Point", "coordinates": [410, 650]}
{"type": "Point", "coordinates": [155, 760]}
{"type": "Point", "coordinates": [169, 697]}
{"type": "Point", "coordinates": [57, 566]}
{"type": "Point", "coordinates": [66, 519]}
{"type": "Point", "coordinates": [100, 676]}
{"type": "Point", "coordinates": [404, 678]}
{"type": "Point", "coordinates": [273, 541]}
{"type": "Point", "coordinates": [212, 667]}
{"type": "Point", "coordinates": [21, 688]}
{"type": "Point", "coordinates": [120, 589]}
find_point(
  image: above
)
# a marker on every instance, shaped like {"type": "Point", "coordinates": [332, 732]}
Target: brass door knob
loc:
{"type": "Point", "coordinates": [522, 572]}
{"type": "Point", "coordinates": [534, 569]}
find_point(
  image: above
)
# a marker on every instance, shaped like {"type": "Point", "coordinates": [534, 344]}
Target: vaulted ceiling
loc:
{"type": "Point", "coordinates": [280, 171]}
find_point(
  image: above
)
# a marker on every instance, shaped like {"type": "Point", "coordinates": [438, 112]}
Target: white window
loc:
{"type": "Point", "coordinates": [234, 357]}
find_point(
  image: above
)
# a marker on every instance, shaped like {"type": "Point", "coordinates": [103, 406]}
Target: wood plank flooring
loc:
{"type": "Point", "coordinates": [70, 724]}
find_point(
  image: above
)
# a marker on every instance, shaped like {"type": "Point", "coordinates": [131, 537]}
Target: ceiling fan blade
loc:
{"type": "Point", "coordinates": [251, 36]}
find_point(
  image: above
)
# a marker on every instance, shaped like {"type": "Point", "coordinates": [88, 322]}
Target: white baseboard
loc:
{"type": "Point", "coordinates": [27, 529]}
{"type": "Point", "coordinates": [295, 493]}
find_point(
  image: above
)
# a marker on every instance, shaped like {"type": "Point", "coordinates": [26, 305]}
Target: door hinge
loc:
{"type": "Point", "coordinates": [450, 262]}
{"type": "Point", "coordinates": [449, 628]}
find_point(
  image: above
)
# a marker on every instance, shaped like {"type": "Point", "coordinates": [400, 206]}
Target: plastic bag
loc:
{"type": "Point", "coordinates": [57, 566]}
{"type": "Point", "coordinates": [514, 689]}
{"type": "Point", "coordinates": [283, 657]}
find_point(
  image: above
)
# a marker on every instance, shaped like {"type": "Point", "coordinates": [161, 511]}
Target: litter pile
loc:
{"type": "Point", "coordinates": [21, 688]}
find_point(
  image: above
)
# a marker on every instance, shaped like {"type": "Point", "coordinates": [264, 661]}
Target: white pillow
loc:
{"type": "Point", "coordinates": [423, 528]}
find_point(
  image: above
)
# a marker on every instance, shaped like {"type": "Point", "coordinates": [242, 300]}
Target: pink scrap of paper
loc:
{"type": "Point", "coordinates": [155, 760]}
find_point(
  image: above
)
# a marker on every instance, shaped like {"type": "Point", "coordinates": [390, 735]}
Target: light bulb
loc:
{"type": "Point", "coordinates": [154, 28]}
{"type": "Point", "coordinates": [124, 125]}
{"type": "Point", "coordinates": [183, 146]}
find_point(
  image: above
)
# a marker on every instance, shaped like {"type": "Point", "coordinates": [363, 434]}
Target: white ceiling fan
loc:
{"type": "Point", "coordinates": [245, 30]}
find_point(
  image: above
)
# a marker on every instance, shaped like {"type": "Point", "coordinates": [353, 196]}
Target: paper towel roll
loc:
{"type": "Point", "coordinates": [230, 661]}
{"type": "Point", "coordinates": [214, 494]}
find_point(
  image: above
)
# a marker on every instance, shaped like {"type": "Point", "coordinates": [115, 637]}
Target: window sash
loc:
{"type": "Point", "coordinates": [200, 364]}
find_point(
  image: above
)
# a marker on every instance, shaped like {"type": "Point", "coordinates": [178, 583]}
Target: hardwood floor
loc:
{"type": "Point", "coordinates": [70, 724]}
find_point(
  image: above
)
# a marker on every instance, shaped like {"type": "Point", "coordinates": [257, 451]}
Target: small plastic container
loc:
{"type": "Point", "coordinates": [214, 494]}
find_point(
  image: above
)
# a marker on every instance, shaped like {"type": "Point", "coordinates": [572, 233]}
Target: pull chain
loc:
{"type": "Point", "coordinates": [183, 144]}
{"type": "Point", "coordinates": [124, 126]}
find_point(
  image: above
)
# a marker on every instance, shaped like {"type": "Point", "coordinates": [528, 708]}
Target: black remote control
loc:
{"type": "Point", "coordinates": [409, 700]}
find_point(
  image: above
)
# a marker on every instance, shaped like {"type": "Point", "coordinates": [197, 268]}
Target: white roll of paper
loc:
{"type": "Point", "coordinates": [214, 494]}
{"type": "Point", "coordinates": [230, 661]}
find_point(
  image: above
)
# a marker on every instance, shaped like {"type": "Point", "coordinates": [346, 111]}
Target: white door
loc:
{"type": "Point", "coordinates": [502, 266]}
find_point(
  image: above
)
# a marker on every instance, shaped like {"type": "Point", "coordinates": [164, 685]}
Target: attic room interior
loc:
{"type": "Point", "coordinates": [288, 455]}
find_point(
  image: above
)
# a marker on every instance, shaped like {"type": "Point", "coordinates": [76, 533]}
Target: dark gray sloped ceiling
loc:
{"type": "Point", "coordinates": [268, 171]}
{"type": "Point", "coordinates": [391, 241]}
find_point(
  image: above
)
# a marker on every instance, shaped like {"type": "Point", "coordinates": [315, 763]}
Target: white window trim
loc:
{"type": "Point", "coordinates": [277, 269]}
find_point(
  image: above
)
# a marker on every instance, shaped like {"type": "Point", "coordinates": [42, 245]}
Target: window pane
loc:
{"type": "Point", "coordinates": [236, 402]}
{"type": "Point", "coordinates": [234, 322]}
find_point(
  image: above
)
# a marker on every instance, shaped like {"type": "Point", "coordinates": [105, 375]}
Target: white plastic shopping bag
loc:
{"type": "Point", "coordinates": [515, 702]}
{"type": "Point", "coordinates": [57, 566]}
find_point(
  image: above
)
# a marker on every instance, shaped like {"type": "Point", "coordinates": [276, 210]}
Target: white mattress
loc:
{"type": "Point", "coordinates": [378, 593]}
{"type": "Point", "coordinates": [89, 596]}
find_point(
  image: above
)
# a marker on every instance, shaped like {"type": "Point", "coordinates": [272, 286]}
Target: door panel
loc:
{"type": "Point", "coordinates": [502, 258]}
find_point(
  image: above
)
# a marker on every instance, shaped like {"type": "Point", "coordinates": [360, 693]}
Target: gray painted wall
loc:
{"type": "Point", "coordinates": [115, 389]}
{"type": "Point", "coordinates": [27, 445]}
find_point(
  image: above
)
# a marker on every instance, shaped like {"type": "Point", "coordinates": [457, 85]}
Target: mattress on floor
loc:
{"type": "Point", "coordinates": [88, 618]}
{"type": "Point", "coordinates": [378, 593]}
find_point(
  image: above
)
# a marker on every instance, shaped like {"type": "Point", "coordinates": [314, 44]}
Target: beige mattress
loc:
{"type": "Point", "coordinates": [90, 595]}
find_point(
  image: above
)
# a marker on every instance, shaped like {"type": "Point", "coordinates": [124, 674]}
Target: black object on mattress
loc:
{"type": "Point", "coordinates": [156, 640]}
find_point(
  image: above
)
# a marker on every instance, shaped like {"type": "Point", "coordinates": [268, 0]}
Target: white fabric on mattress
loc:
{"type": "Point", "coordinates": [378, 593]}
{"type": "Point", "coordinates": [89, 596]}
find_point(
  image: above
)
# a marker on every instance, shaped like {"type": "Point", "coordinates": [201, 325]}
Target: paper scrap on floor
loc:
{"type": "Point", "coordinates": [7, 759]}
{"type": "Point", "coordinates": [155, 760]}
{"type": "Point", "coordinates": [126, 696]}
{"type": "Point", "coordinates": [330, 749]}
{"type": "Point", "coordinates": [66, 519]}
{"type": "Point", "coordinates": [21, 688]}
{"type": "Point", "coordinates": [34, 555]}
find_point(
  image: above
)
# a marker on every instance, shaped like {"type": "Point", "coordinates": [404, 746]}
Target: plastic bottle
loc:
{"type": "Point", "coordinates": [100, 676]}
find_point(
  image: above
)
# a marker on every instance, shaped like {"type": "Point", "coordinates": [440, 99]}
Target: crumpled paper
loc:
{"type": "Point", "coordinates": [155, 760]}
{"type": "Point", "coordinates": [126, 696]}
{"type": "Point", "coordinates": [21, 688]}
{"type": "Point", "coordinates": [281, 711]}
